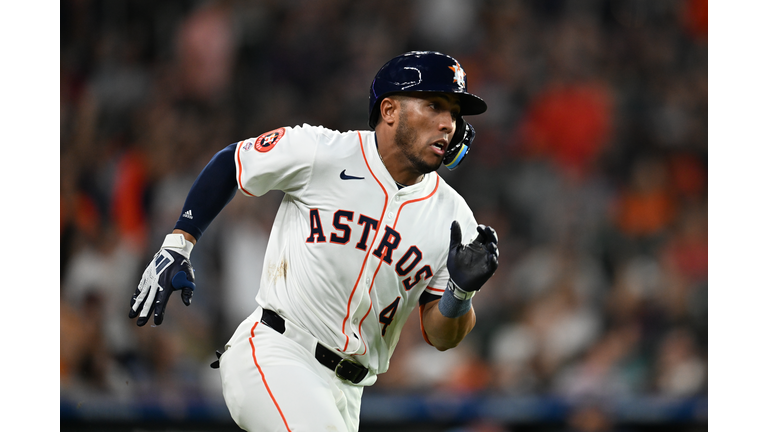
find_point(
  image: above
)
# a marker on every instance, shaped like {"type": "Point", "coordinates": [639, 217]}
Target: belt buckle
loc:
{"type": "Point", "coordinates": [353, 379]}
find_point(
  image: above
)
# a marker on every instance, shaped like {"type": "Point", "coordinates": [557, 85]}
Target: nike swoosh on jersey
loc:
{"type": "Point", "coordinates": [344, 176]}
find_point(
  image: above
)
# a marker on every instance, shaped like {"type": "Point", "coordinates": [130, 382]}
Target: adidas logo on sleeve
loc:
{"type": "Point", "coordinates": [187, 214]}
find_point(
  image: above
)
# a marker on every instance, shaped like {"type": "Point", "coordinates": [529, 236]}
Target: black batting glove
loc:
{"type": "Point", "coordinates": [169, 271]}
{"type": "Point", "coordinates": [471, 265]}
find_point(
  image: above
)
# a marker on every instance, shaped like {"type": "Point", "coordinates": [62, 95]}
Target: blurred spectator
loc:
{"type": "Point", "coordinates": [679, 370]}
{"type": "Point", "coordinates": [89, 367]}
{"type": "Point", "coordinates": [605, 370]}
{"type": "Point", "coordinates": [513, 350]}
{"type": "Point", "coordinates": [646, 207]}
{"type": "Point", "coordinates": [206, 51]}
{"type": "Point", "coordinates": [101, 270]}
{"type": "Point", "coordinates": [568, 123]}
{"type": "Point", "coordinates": [590, 418]}
{"type": "Point", "coordinates": [446, 23]}
{"type": "Point", "coordinates": [687, 247]}
{"type": "Point", "coordinates": [127, 209]}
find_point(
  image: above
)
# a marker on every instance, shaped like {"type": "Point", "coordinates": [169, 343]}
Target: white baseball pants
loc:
{"type": "Point", "coordinates": [272, 382]}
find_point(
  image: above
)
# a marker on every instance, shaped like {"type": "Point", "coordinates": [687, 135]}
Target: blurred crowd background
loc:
{"type": "Point", "coordinates": [591, 164]}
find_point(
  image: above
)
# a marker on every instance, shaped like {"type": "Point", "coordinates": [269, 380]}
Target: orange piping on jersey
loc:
{"type": "Point", "coordinates": [437, 183]}
{"type": "Point", "coordinates": [381, 261]}
{"type": "Point", "coordinates": [362, 268]}
{"type": "Point", "coordinates": [264, 379]}
{"type": "Point", "coordinates": [370, 306]}
{"type": "Point", "coordinates": [240, 170]}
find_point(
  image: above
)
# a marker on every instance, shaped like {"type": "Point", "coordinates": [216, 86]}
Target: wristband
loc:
{"type": "Point", "coordinates": [455, 302]}
{"type": "Point", "coordinates": [178, 243]}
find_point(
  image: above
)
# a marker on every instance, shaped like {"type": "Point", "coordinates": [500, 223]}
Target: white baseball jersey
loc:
{"type": "Point", "coordinates": [349, 254]}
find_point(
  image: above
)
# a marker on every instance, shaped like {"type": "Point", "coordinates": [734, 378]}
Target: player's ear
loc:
{"type": "Point", "coordinates": [388, 108]}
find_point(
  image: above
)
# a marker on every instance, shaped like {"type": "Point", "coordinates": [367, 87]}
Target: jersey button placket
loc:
{"type": "Point", "coordinates": [393, 207]}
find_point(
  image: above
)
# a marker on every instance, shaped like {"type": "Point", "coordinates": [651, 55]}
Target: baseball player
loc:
{"type": "Point", "coordinates": [367, 231]}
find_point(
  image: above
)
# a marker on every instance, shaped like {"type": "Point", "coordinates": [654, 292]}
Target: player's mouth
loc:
{"type": "Point", "coordinates": [439, 146]}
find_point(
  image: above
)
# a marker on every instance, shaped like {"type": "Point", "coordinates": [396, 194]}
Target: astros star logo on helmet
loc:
{"type": "Point", "coordinates": [459, 76]}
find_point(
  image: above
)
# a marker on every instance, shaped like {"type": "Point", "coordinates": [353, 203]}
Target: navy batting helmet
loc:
{"type": "Point", "coordinates": [422, 71]}
{"type": "Point", "coordinates": [429, 71]}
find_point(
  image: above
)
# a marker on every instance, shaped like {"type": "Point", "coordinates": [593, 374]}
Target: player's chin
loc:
{"type": "Point", "coordinates": [430, 164]}
{"type": "Point", "coordinates": [426, 162]}
{"type": "Point", "coordinates": [434, 159]}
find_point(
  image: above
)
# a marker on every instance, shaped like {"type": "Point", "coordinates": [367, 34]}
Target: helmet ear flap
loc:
{"type": "Point", "coordinates": [460, 144]}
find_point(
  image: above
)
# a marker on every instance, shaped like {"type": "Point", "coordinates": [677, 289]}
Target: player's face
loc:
{"type": "Point", "coordinates": [426, 125]}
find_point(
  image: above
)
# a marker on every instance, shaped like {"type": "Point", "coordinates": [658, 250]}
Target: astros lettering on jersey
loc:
{"type": "Point", "coordinates": [350, 253]}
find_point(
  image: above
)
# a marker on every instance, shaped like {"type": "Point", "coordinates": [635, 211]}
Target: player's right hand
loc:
{"type": "Point", "coordinates": [169, 270]}
{"type": "Point", "coordinates": [472, 265]}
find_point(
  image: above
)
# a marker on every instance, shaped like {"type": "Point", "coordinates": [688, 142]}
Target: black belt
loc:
{"type": "Point", "coordinates": [344, 368]}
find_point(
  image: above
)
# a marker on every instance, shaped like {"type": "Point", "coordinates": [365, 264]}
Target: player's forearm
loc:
{"type": "Point", "coordinates": [445, 333]}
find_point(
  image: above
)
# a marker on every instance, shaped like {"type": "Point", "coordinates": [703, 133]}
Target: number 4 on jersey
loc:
{"type": "Point", "coordinates": [387, 314]}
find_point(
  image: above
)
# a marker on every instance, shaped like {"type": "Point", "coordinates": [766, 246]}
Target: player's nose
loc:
{"type": "Point", "coordinates": [446, 122]}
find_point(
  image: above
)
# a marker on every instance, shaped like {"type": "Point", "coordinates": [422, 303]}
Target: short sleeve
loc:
{"type": "Point", "coordinates": [280, 159]}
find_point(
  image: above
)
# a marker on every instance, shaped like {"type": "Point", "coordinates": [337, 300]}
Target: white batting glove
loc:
{"type": "Point", "coordinates": [169, 270]}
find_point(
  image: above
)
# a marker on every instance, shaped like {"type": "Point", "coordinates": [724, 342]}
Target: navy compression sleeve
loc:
{"type": "Point", "coordinates": [213, 189]}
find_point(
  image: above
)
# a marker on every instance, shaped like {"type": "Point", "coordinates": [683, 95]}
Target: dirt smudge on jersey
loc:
{"type": "Point", "coordinates": [279, 270]}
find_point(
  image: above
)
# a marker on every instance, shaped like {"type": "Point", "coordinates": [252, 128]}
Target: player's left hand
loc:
{"type": "Point", "coordinates": [473, 264]}
{"type": "Point", "coordinates": [169, 270]}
